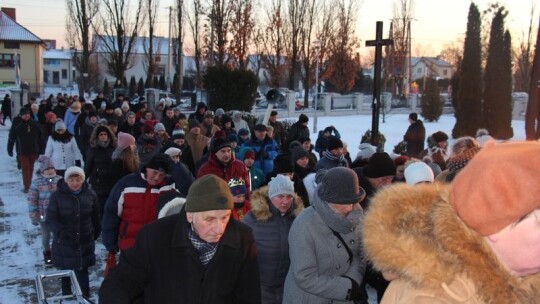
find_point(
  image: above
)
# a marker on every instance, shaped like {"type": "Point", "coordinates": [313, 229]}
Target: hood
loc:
{"type": "Point", "coordinates": [233, 116]}
{"type": "Point", "coordinates": [413, 233]}
{"type": "Point", "coordinates": [260, 208]}
{"type": "Point", "coordinates": [94, 136]}
{"type": "Point", "coordinates": [172, 207]}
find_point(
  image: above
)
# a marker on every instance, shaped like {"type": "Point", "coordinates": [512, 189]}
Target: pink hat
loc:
{"type": "Point", "coordinates": [125, 140]}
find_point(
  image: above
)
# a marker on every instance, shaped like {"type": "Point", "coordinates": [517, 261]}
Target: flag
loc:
{"type": "Point", "coordinates": [17, 72]}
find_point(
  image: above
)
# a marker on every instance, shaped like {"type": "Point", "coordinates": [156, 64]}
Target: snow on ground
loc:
{"type": "Point", "coordinates": [20, 242]}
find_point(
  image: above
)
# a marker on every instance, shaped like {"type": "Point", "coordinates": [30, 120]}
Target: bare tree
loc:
{"type": "Point", "coordinates": [401, 22]}
{"type": "Point", "coordinates": [242, 25]}
{"type": "Point", "coordinates": [118, 34]}
{"type": "Point", "coordinates": [81, 14]}
{"type": "Point", "coordinates": [152, 8]}
{"type": "Point", "coordinates": [452, 53]}
{"type": "Point", "coordinates": [523, 57]}
{"type": "Point", "coordinates": [309, 54]}
{"type": "Point", "coordinates": [220, 19]}
{"type": "Point", "coordinates": [195, 23]}
{"type": "Point", "coordinates": [272, 40]}
{"type": "Point", "coordinates": [296, 23]}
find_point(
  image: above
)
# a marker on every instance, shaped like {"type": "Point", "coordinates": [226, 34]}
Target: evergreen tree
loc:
{"type": "Point", "coordinates": [230, 89]}
{"type": "Point", "coordinates": [469, 101]}
{"type": "Point", "coordinates": [498, 80]}
{"type": "Point", "coordinates": [106, 88]}
{"type": "Point", "coordinates": [174, 83]}
{"type": "Point", "coordinates": [140, 87]}
{"type": "Point", "coordinates": [430, 103]}
{"type": "Point", "coordinates": [124, 83]}
{"type": "Point", "coordinates": [162, 83]}
{"type": "Point", "coordinates": [155, 82]}
{"type": "Point", "coordinates": [132, 86]}
{"type": "Point", "coordinates": [148, 83]}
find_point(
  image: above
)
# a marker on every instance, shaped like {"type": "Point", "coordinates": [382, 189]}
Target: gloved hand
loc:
{"type": "Point", "coordinates": [78, 163]}
{"type": "Point", "coordinates": [264, 154]}
{"type": "Point", "coordinates": [10, 153]}
{"type": "Point", "coordinates": [35, 223]}
{"type": "Point", "coordinates": [355, 293]}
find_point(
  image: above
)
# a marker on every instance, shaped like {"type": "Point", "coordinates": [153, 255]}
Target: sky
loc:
{"type": "Point", "coordinates": [436, 22]}
{"type": "Point", "coordinates": [20, 242]}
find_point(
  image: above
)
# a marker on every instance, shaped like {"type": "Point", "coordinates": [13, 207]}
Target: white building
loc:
{"type": "Point", "coordinates": [433, 67]}
{"type": "Point", "coordinates": [58, 68]}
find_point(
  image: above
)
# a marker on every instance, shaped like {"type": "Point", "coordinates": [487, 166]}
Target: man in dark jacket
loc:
{"type": "Point", "coordinates": [279, 131]}
{"type": "Point", "coordinates": [298, 130]}
{"type": "Point", "coordinates": [25, 133]}
{"type": "Point", "coordinates": [415, 136]}
{"type": "Point", "coordinates": [6, 109]}
{"type": "Point", "coordinates": [199, 113]}
{"type": "Point", "coordinates": [197, 256]}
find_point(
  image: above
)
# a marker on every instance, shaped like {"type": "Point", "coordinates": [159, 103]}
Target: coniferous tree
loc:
{"type": "Point", "coordinates": [498, 80]}
{"type": "Point", "coordinates": [132, 86]}
{"type": "Point", "coordinates": [106, 88]}
{"type": "Point", "coordinates": [155, 82]}
{"type": "Point", "coordinates": [148, 83]}
{"type": "Point", "coordinates": [174, 83]}
{"type": "Point", "coordinates": [140, 87]}
{"type": "Point", "coordinates": [431, 101]}
{"type": "Point", "coordinates": [124, 82]}
{"type": "Point", "coordinates": [469, 101]}
{"type": "Point", "coordinates": [162, 83]}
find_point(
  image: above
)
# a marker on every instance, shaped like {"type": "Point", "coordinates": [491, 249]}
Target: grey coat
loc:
{"type": "Point", "coordinates": [319, 261]}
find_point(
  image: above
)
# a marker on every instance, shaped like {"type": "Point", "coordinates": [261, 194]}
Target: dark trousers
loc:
{"type": "Point", "coordinates": [375, 279]}
{"type": "Point", "coordinates": [84, 282]}
{"type": "Point", "coordinates": [27, 167]}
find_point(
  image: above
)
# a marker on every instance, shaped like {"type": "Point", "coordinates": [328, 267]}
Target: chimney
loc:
{"type": "Point", "coordinates": [10, 12]}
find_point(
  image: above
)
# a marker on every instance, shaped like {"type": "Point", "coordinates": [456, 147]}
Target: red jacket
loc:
{"type": "Point", "coordinates": [233, 169]}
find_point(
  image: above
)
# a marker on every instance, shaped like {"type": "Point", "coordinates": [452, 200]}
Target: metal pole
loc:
{"type": "Point", "coordinates": [316, 92]}
{"type": "Point", "coordinates": [169, 58]}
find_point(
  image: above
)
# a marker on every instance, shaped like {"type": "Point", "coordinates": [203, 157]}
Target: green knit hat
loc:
{"type": "Point", "coordinates": [207, 193]}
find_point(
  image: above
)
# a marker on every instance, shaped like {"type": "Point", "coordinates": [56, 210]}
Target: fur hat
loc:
{"type": "Point", "coordinates": [380, 164]}
{"type": "Point", "coordinates": [193, 123]}
{"type": "Point", "coordinates": [418, 172]}
{"type": "Point", "coordinates": [303, 118]}
{"type": "Point", "coordinates": [159, 162]}
{"type": "Point", "coordinates": [59, 125]}
{"type": "Point", "coordinates": [498, 186]}
{"type": "Point", "coordinates": [159, 127]}
{"type": "Point", "coordinates": [209, 192]}
{"type": "Point", "coordinates": [334, 143]}
{"type": "Point", "coordinates": [439, 136]}
{"type": "Point", "coordinates": [237, 186]}
{"type": "Point", "coordinates": [74, 170]}
{"type": "Point", "coordinates": [339, 185]}
{"type": "Point", "coordinates": [125, 140]}
{"type": "Point", "coordinates": [280, 184]}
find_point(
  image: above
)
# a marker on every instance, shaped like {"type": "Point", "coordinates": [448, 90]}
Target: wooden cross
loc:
{"type": "Point", "coordinates": [378, 43]}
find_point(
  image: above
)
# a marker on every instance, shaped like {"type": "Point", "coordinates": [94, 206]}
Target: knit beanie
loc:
{"type": "Point", "coordinates": [219, 112]}
{"type": "Point", "coordinates": [50, 116]}
{"type": "Point", "coordinates": [303, 118]}
{"type": "Point", "coordinates": [193, 123]}
{"type": "Point", "coordinates": [59, 125]}
{"type": "Point", "coordinates": [173, 152]}
{"type": "Point", "coordinates": [219, 143]}
{"type": "Point", "coordinates": [74, 170]}
{"type": "Point", "coordinates": [130, 113]}
{"type": "Point", "coordinates": [498, 186]}
{"type": "Point", "coordinates": [260, 127]}
{"type": "Point", "coordinates": [418, 172]}
{"type": "Point", "coordinates": [243, 131]}
{"type": "Point", "coordinates": [237, 186]}
{"type": "Point", "coordinates": [125, 140]}
{"type": "Point", "coordinates": [159, 162]}
{"type": "Point", "coordinates": [45, 163]}
{"type": "Point", "coordinates": [233, 137]}
{"type": "Point", "coordinates": [209, 192]}
{"type": "Point", "coordinates": [380, 164]}
{"type": "Point", "coordinates": [339, 185]}
{"type": "Point", "coordinates": [283, 164]}
{"type": "Point", "coordinates": [334, 143]}
{"type": "Point", "coordinates": [298, 152]}
{"type": "Point", "coordinates": [148, 127]}
{"type": "Point", "coordinates": [280, 184]}
{"type": "Point", "coordinates": [159, 127]}
{"type": "Point", "coordinates": [366, 151]}
{"type": "Point", "coordinates": [400, 160]}
{"type": "Point", "coordinates": [178, 134]}
{"type": "Point", "coordinates": [249, 154]}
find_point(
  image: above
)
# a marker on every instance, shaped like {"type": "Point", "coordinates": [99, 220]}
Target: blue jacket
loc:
{"type": "Point", "coordinates": [263, 161]}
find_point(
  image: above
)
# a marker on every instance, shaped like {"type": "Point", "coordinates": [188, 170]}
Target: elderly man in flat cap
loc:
{"type": "Point", "coordinates": [197, 256]}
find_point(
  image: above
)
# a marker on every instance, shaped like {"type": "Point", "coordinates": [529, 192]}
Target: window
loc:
{"type": "Point", "coordinates": [11, 45]}
{"type": "Point", "coordinates": [51, 61]}
{"type": "Point", "coordinates": [445, 72]}
{"type": "Point", "coordinates": [64, 74]}
{"type": "Point", "coordinates": [7, 60]}
{"type": "Point", "coordinates": [419, 70]}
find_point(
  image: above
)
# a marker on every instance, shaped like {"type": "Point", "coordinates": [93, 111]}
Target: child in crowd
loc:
{"type": "Point", "coordinates": [239, 190]}
{"type": "Point", "coordinates": [43, 185]}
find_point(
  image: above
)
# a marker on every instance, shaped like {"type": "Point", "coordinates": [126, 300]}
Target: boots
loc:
{"type": "Point", "coordinates": [66, 286]}
{"type": "Point", "coordinates": [47, 258]}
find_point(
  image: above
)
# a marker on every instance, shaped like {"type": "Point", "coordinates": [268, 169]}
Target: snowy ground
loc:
{"type": "Point", "coordinates": [20, 243]}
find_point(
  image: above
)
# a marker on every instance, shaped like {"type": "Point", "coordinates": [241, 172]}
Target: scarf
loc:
{"type": "Point", "coordinates": [335, 221]}
{"type": "Point", "coordinates": [104, 144]}
{"type": "Point", "coordinates": [204, 249]}
{"type": "Point", "coordinates": [340, 159]}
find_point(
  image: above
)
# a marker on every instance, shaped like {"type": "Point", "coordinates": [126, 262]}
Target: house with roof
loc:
{"type": "Point", "coordinates": [58, 68]}
{"type": "Point", "coordinates": [433, 67]}
{"type": "Point", "coordinates": [19, 46]}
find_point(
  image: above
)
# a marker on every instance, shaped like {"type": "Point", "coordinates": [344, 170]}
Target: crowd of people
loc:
{"type": "Point", "coordinates": [208, 208]}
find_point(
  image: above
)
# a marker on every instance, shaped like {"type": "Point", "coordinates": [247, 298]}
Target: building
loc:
{"type": "Point", "coordinates": [16, 40]}
{"type": "Point", "coordinates": [433, 67]}
{"type": "Point", "coordinates": [58, 68]}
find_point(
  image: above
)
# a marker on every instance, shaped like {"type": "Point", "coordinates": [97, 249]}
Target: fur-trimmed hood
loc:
{"type": "Point", "coordinates": [260, 208]}
{"type": "Point", "coordinates": [94, 136]}
{"type": "Point", "coordinates": [172, 207]}
{"type": "Point", "coordinates": [412, 233]}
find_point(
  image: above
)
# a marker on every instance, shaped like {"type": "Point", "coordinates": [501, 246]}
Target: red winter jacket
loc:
{"type": "Point", "coordinates": [234, 169]}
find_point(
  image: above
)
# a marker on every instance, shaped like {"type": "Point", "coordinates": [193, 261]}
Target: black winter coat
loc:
{"type": "Point", "coordinates": [173, 273]}
{"type": "Point", "coordinates": [98, 163]}
{"type": "Point", "coordinates": [74, 222]}
{"type": "Point", "coordinates": [25, 135]}
{"type": "Point", "coordinates": [415, 136]}
{"type": "Point", "coordinates": [6, 106]}
{"type": "Point", "coordinates": [296, 132]}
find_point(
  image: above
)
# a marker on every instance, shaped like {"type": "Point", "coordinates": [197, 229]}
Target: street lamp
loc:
{"type": "Point", "coordinates": [317, 45]}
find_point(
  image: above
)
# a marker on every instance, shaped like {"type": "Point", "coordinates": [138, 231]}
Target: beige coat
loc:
{"type": "Point", "coordinates": [414, 237]}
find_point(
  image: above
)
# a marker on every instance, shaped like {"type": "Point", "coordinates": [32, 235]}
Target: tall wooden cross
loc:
{"type": "Point", "coordinates": [378, 43]}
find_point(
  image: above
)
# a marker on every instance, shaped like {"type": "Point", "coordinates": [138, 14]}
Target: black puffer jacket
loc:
{"type": "Point", "coordinates": [98, 161]}
{"type": "Point", "coordinates": [25, 135]}
{"type": "Point", "coordinates": [74, 221]}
